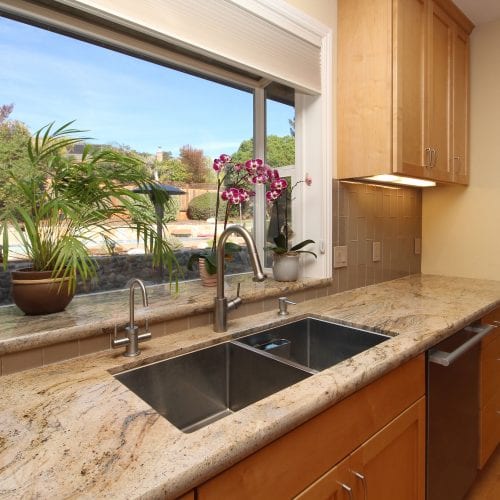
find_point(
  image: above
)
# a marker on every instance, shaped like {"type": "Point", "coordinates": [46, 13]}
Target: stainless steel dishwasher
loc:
{"type": "Point", "coordinates": [453, 413]}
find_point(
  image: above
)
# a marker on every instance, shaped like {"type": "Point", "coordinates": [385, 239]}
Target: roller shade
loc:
{"type": "Point", "coordinates": [244, 34]}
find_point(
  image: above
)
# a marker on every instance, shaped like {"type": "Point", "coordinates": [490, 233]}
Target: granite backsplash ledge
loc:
{"type": "Point", "coordinates": [95, 314]}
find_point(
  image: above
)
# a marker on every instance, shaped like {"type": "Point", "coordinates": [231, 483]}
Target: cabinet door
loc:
{"type": "Point", "coordinates": [489, 390]}
{"type": "Point", "coordinates": [439, 74]}
{"type": "Point", "coordinates": [409, 54]}
{"type": "Point", "coordinates": [459, 161]}
{"type": "Point", "coordinates": [392, 463]}
{"type": "Point", "coordinates": [389, 466]}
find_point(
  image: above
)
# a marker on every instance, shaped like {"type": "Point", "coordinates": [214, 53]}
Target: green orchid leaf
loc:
{"type": "Point", "coordinates": [280, 241]}
{"type": "Point", "coordinates": [300, 245]}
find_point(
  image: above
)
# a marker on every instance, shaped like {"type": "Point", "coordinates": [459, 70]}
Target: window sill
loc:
{"type": "Point", "coordinates": [97, 314]}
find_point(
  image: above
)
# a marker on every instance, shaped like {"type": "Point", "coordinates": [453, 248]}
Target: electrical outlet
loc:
{"type": "Point", "coordinates": [340, 256]}
{"type": "Point", "coordinates": [376, 251]}
{"type": "Point", "coordinates": [418, 246]}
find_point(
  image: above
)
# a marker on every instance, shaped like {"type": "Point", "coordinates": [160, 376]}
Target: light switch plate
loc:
{"type": "Point", "coordinates": [418, 246]}
{"type": "Point", "coordinates": [376, 251]}
{"type": "Point", "coordinates": [340, 256]}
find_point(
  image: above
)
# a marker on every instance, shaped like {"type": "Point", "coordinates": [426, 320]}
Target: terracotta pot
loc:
{"type": "Point", "coordinates": [36, 292]}
{"type": "Point", "coordinates": [286, 266]}
{"type": "Point", "coordinates": [206, 278]}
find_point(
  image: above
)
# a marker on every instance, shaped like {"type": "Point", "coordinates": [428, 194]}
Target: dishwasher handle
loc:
{"type": "Point", "coordinates": [447, 358]}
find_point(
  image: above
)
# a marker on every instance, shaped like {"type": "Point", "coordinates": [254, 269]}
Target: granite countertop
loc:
{"type": "Point", "coordinates": [72, 430]}
{"type": "Point", "coordinates": [93, 314]}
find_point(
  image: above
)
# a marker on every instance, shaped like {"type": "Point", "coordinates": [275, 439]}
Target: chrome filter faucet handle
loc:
{"type": "Point", "coordinates": [131, 341]}
{"type": "Point", "coordinates": [283, 305]}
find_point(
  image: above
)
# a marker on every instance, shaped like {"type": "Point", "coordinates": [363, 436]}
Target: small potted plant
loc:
{"type": "Point", "coordinates": [61, 204]}
{"type": "Point", "coordinates": [234, 187]}
{"type": "Point", "coordinates": [285, 255]}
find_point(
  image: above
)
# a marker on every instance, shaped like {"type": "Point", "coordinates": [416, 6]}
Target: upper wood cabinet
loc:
{"type": "Point", "coordinates": [403, 89]}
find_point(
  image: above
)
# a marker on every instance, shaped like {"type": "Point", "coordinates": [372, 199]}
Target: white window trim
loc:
{"type": "Point", "coordinates": [314, 140]}
{"type": "Point", "coordinates": [315, 128]}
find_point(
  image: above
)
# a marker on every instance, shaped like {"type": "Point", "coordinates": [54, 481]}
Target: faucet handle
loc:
{"type": "Point", "coordinates": [118, 342]}
{"type": "Point", "coordinates": [237, 301]}
{"type": "Point", "coordinates": [146, 335]}
{"type": "Point", "coordinates": [283, 305]}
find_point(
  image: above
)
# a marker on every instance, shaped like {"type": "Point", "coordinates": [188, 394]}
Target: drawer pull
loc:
{"type": "Point", "coordinates": [363, 480]}
{"type": "Point", "coordinates": [346, 488]}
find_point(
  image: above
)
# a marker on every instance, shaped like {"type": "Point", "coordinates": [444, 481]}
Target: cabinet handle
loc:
{"type": "Point", "coordinates": [433, 157]}
{"type": "Point", "coordinates": [363, 480]}
{"type": "Point", "coordinates": [346, 488]}
{"type": "Point", "coordinates": [428, 157]}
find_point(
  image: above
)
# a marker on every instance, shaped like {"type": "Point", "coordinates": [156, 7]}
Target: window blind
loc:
{"type": "Point", "coordinates": [242, 34]}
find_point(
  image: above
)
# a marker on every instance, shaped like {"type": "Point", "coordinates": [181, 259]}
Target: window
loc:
{"type": "Point", "coordinates": [246, 83]}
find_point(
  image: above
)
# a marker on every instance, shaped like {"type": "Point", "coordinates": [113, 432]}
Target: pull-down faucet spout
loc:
{"type": "Point", "coordinates": [221, 304]}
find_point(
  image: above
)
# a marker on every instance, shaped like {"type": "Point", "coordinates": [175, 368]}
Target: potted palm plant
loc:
{"type": "Point", "coordinates": [60, 205]}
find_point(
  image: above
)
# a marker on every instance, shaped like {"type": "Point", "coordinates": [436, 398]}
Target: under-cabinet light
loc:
{"type": "Point", "coordinates": [398, 179]}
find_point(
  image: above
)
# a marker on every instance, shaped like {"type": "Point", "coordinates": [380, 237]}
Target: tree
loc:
{"type": "Point", "coordinates": [280, 151]}
{"type": "Point", "coordinates": [5, 111]}
{"type": "Point", "coordinates": [14, 136]}
{"type": "Point", "coordinates": [245, 152]}
{"type": "Point", "coordinates": [172, 170]}
{"type": "Point", "coordinates": [196, 163]}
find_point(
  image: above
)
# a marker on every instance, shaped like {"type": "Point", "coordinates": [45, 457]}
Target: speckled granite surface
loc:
{"type": "Point", "coordinates": [90, 315]}
{"type": "Point", "coordinates": [72, 430]}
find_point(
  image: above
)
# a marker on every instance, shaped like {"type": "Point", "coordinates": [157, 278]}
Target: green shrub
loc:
{"type": "Point", "coordinates": [171, 209]}
{"type": "Point", "coordinates": [202, 207]}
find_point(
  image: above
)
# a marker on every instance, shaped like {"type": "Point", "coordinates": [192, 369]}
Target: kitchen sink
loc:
{"type": "Point", "coordinates": [314, 343]}
{"type": "Point", "coordinates": [198, 388]}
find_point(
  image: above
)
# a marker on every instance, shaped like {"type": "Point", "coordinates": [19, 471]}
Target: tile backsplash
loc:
{"type": "Point", "coordinates": [364, 214]}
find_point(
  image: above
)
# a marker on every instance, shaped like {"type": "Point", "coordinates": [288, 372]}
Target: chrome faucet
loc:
{"type": "Point", "coordinates": [221, 304]}
{"type": "Point", "coordinates": [131, 341]}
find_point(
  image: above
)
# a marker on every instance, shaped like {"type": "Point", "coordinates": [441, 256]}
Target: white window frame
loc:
{"type": "Point", "coordinates": [314, 122]}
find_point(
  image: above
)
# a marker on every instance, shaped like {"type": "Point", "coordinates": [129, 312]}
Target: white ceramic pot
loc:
{"type": "Point", "coordinates": [286, 266]}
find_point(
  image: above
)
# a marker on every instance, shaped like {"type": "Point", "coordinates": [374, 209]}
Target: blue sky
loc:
{"type": "Point", "coordinates": [120, 99]}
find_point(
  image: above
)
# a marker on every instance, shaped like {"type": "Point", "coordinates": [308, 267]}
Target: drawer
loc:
{"type": "Point", "coordinates": [288, 465]}
{"type": "Point", "coordinates": [490, 369]}
{"type": "Point", "coordinates": [489, 429]}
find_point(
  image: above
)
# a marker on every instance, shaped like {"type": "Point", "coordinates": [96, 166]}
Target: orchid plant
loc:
{"type": "Point", "coordinates": [279, 190]}
{"type": "Point", "coordinates": [234, 186]}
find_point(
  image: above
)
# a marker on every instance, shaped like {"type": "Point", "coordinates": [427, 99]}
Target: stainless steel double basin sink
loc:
{"type": "Point", "coordinates": [198, 388]}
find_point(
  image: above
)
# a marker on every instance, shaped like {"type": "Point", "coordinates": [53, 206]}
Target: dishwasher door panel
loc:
{"type": "Point", "coordinates": [453, 413]}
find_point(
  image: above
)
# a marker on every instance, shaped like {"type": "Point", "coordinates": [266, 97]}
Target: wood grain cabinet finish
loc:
{"type": "Point", "coordinates": [294, 462]}
{"type": "Point", "coordinates": [403, 76]}
{"type": "Point", "coordinates": [389, 466]}
{"type": "Point", "coordinates": [489, 391]}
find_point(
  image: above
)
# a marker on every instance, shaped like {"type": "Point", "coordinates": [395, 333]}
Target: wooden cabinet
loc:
{"type": "Point", "coordinates": [460, 107]}
{"type": "Point", "coordinates": [389, 466]}
{"type": "Point", "coordinates": [489, 391]}
{"type": "Point", "coordinates": [289, 465]}
{"type": "Point", "coordinates": [187, 496]}
{"type": "Point", "coordinates": [403, 89]}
